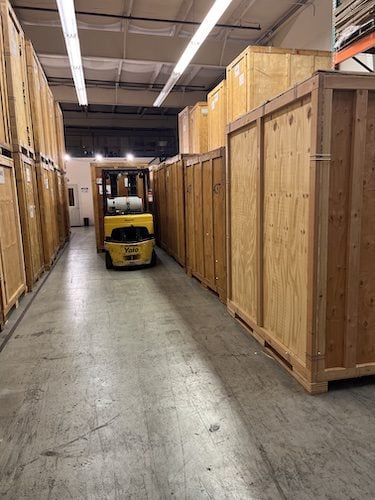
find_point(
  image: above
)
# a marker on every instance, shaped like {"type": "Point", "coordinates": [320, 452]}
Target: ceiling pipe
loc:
{"type": "Point", "coordinates": [271, 32]}
{"type": "Point", "coordinates": [256, 26]}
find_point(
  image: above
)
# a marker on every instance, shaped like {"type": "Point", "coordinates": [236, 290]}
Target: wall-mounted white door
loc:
{"type": "Point", "coordinates": [75, 217]}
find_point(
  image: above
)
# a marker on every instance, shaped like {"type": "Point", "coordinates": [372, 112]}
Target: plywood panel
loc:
{"type": "Point", "coordinates": [46, 213]}
{"type": "Point", "coordinates": [12, 273]}
{"type": "Point", "coordinates": [217, 116]}
{"type": "Point", "coordinates": [286, 213]}
{"type": "Point", "coordinates": [243, 209]}
{"type": "Point", "coordinates": [198, 128]}
{"type": "Point", "coordinates": [218, 208]}
{"type": "Point", "coordinates": [190, 220]}
{"type": "Point", "coordinates": [237, 89]}
{"type": "Point", "coordinates": [30, 217]}
{"type": "Point", "coordinates": [366, 313]}
{"type": "Point", "coordinates": [342, 112]}
{"type": "Point", "coordinates": [198, 222]}
{"type": "Point", "coordinates": [17, 81]}
{"type": "Point", "coordinates": [208, 225]}
{"type": "Point", "coordinates": [184, 130]}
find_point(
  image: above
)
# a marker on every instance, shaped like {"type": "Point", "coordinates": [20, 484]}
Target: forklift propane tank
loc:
{"type": "Point", "coordinates": [125, 203]}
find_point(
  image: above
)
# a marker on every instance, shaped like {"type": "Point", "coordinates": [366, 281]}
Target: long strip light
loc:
{"type": "Point", "coordinates": [208, 23]}
{"type": "Point", "coordinates": [69, 27]}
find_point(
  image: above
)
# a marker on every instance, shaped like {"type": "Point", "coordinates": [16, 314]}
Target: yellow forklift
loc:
{"type": "Point", "coordinates": [129, 238]}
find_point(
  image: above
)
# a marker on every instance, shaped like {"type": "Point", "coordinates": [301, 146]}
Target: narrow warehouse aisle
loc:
{"type": "Point", "coordinates": [120, 385]}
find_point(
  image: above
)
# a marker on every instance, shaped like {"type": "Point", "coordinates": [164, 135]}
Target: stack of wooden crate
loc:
{"type": "Point", "coordinates": [33, 221]}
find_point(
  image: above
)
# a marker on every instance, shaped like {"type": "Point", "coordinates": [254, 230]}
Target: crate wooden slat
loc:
{"type": "Point", "coordinates": [217, 116]}
{"type": "Point", "coordinates": [198, 128]}
{"type": "Point", "coordinates": [260, 73]}
{"type": "Point", "coordinates": [17, 82]}
{"type": "Point", "coordinates": [301, 218]}
{"type": "Point", "coordinates": [12, 272]}
{"type": "Point", "coordinates": [205, 220]}
{"type": "Point", "coordinates": [97, 193]}
{"type": "Point", "coordinates": [27, 191]}
{"type": "Point", "coordinates": [5, 131]}
{"type": "Point", "coordinates": [184, 130]}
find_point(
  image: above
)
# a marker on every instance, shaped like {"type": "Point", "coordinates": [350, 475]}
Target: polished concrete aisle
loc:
{"type": "Point", "coordinates": [138, 385]}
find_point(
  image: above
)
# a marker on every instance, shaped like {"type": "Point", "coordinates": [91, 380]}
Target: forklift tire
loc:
{"type": "Point", "coordinates": [153, 259]}
{"type": "Point", "coordinates": [108, 261]}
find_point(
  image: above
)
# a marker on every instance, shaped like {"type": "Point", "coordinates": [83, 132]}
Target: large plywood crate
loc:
{"type": "Point", "coordinates": [5, 131]}
{"type": "Point", "coordinates": [301, 219]}
{"type": "Point", "coordinates": [205, 220]}
{"type": "Point", "coordinates": [97, 192]}
{"type": "Point", "coordinates": [260, 73]}
{"type": "Point", "coordinates": [217, 116]}
{"type": "Point", "coordinates": [17, 82]}
{"type": "Point", "coordinates": [170, 206]}
{"type": "Point", "coordinates": [198, 128]}
{"type": "Point", "coordinates": [184, 130]}
{"type": "Point", "coordinates": [30, 217]}
{"type": "Point", "coordinates": [12, 273]}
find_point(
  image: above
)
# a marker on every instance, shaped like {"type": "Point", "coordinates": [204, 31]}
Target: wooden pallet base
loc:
{"type": "Point", "coordinates": [287, 364]}
{"type": "Point", "coordinates": [206, 285]}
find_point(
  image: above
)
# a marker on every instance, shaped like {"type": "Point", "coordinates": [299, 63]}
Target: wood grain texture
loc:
{"type": "Point", "coordinates": [12, 273]}
{"type": "Point", "coordinates": [17, 81]}
{"type": "Point", "coordinates": [259, 74]}
{"type": "Point", "coordinates": [30, 217]}
{"type": "Point", "coordinates": [217, 116]}
{"type": "Point", "coordinates": [317, 149]}
{"type": "Point", "coordinates": [184, 131]}
{"type": "Point", "coordinates": [242, 198]}
{"type": "Point", "coordinates": [198, 128]}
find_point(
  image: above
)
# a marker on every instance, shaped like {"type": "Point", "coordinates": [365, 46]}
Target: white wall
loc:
{"type": "Point", "coordinates": [310, 29]}
{"type": "Point", "coordinates": [78, 172]}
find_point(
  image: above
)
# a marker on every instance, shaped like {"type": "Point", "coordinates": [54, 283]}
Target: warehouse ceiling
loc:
{"type": "Point", "coordinates": [129, 49]}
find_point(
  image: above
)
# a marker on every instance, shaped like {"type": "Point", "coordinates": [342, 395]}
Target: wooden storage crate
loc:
{"type": "Point", "coordinates": [198, 128]}
{"type": "Point", "coordinates": [260, 73]}
{"type": "Point", "coordinates": [205, 220]}
{"type": "Point", "coordinates": [5, 133]}
{"type": "Point", "coordinates": [30, 217]}
{"type": "Point", "coordinates": [97, 193]}
{"type": "Point", "coordinates": [217, 116]}
{"type": "Point", "coordinates": [12, 272]}
{"type": "Point", "coordinates": [301, 219]}
{"type": "Point", "coordinates": [61, 211]}
{"type": "Point", "coordinates": [170, 206]}
{"type": "Point", "coordinates": [17, 82]}
{"type": "Point", "coordinates": [184, 130]}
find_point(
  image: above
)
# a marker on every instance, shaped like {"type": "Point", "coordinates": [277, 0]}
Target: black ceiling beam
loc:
{"type": "Point", "coordinates": [256, 26]}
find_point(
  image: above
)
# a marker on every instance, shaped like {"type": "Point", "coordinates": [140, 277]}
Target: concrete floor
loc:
{"type": "Point", "coordinates": [136, 385]}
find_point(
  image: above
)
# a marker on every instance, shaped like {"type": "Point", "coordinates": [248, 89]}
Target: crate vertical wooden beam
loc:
{"type": "Point", "coordinates": [354, 233]}
{"type": "Point", "coordinates": [260, 219]}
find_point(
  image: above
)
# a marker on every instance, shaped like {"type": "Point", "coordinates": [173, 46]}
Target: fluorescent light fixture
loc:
{"type": "Point", "coordinates": [130, 156]}
{"type": "Point", "coordinates": [69, 27]}
{"type": "Point", "coordinates": [67, 157]}
{"type": "Point", "coordinates": [98, 157]}
{"type": "Point", "coordinates": [208, 23]}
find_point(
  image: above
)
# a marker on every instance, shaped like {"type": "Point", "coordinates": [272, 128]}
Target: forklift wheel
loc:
{"type": "Point", "coordinates": [108, 261]}
{"type": "Point", "coordinates": [153, 259]}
